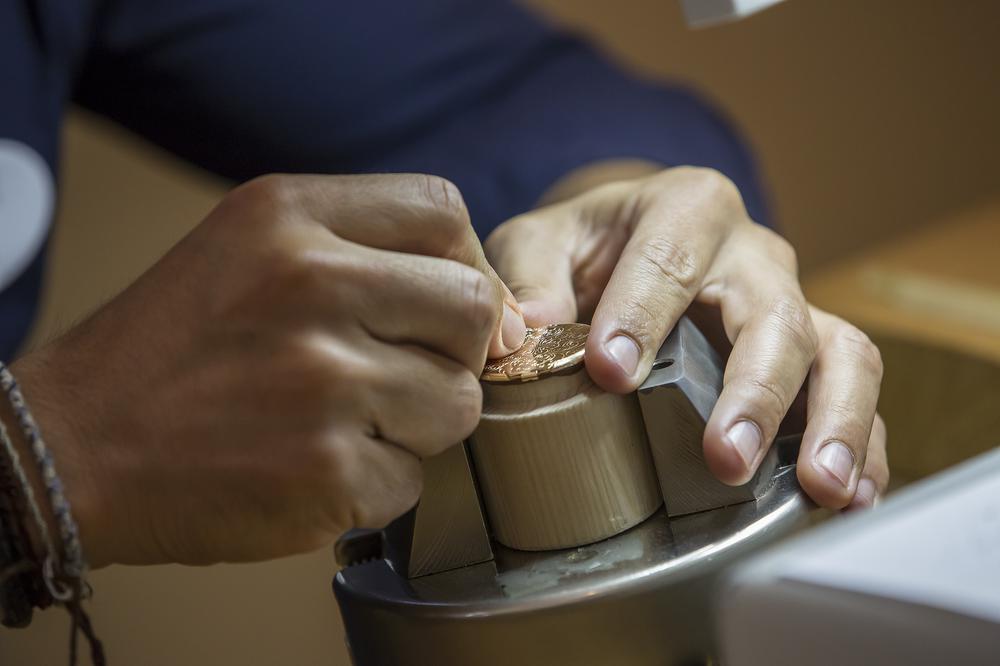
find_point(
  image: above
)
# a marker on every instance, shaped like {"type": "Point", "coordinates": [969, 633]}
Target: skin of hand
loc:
{"type": "Point", "coordinates": [276, 378]}
{"type": "Point", "coordinates": [635, 254]}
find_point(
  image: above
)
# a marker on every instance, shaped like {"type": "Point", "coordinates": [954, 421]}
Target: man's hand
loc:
{"type": "Point", "coordinates": [634, 255]}
{"type": "Point", "coordinates": [276, 378]}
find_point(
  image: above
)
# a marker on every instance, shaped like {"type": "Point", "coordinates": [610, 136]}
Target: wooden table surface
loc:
{"type": "Point", "coordinates": [940, 286]}
{"type": "Point", "coordinates": [931, 301]}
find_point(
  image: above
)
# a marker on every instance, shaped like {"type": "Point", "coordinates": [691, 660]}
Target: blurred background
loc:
{"type": "Point", "coordinates": [876, 124]}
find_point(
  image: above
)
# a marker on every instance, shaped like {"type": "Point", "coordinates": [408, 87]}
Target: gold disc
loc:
{"type": "Point", "coordinates": [546, 351]}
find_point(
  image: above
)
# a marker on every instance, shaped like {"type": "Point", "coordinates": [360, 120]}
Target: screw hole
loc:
{"type": "Point", "coordinates": [664, 363]}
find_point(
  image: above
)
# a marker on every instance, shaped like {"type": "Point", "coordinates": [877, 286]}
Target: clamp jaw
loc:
{"type": "Point", "coordinates": [676, 401]}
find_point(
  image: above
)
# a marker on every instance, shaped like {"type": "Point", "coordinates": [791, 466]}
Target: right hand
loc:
{"type": "Point", "coordinates": [275, 379]}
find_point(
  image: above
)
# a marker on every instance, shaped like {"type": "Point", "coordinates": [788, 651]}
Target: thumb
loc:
{"type": "Point", "coordinates": [512, 328]}
{"type": "Point", "coordinates": [537, 269]}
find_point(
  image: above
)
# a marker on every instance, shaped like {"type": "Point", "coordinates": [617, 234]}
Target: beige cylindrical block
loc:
{"type": "Point", "coordinates": [561, 463]}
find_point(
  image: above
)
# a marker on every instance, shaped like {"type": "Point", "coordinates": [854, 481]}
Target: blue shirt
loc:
{"type": "Point", "coordinates": [479, 91]}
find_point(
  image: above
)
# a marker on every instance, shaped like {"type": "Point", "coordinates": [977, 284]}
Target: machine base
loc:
{"type": "Point", "coordinates": [640, 598]}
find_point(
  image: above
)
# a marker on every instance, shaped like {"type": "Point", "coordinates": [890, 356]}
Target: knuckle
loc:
{"type": "Point", "coordinates": [272, 192]}
{"type": "Point", "coordinates": [478, 296]}
{"type": "Point", "coordinates": [308, 359]}
{"type": "Point", "coordinates": [408, 492]}
{"type": "Point", "coordinates": [848, 424]}
{"type": "Point", "coordinates": [294, 272]}
{"type": "Point", "coordinates": [466, 406]}
{"type": "Point", "coordinates": [880, 430]}
{"type": "Point", "coordinates": [722, 188]}
{"type": "Point", "coordinates": [440, 193]}
{"type": "Point", "coordinates": [771, 396]}
{"type": "Point", "coordinates": [309, 378]}
{"type": "Point", "coordinates": [846, 412]}
{"type": "Point", "coordinates": [405, 491]}
{"type": "Point", "coordinates": [860, 347]}
{"type": "Point", "coordinates": [639, 320]}
{"type": "Point", "coordinates": [326, 375]}
{"type": "Point", "coordinates": [712, 178]}
{"type": "Point", "coordinates": [790, 316]}
{"type": "Point", "coordinates": [877, 467]}
{"type": "Point", "coordinates": [712, 184]}
{"type": "Point", "coordinates": [671, 263]}
{"type": "Point", "coordinates": [333, 462]}
{"type": "Point", "coordinates": [400, 490]}
{"type": "Point", "coordinates": [445, 195]}
{"type": "Point", "coordinates": [782, 251]}
{"type": "Point", "coordinates": [281, 280]}
{"type": "Point", "coordinates": [290, 281]}
{"type": "Point", "coordinates": [349, 375]}
{"type": "Point", "coordinates": [881, 475]}
{"type": "Point", "coordinates": [445, 202]}
{"type": "Point", "coordinates": [300, 272]}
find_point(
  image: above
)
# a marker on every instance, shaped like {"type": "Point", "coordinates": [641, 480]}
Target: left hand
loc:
{"type": "Point", "coordinates": [633, 256]}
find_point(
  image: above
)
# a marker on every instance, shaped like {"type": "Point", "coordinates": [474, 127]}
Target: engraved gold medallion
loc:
{"type": "Point", "coordinates": [546, 351]}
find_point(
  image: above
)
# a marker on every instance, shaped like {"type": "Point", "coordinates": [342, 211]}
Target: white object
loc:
{"type": "Point", "coordinates": [917, 581]}
{"type": "Point", "coordinates": [26, 199]}
{"type": "Point", "coordinates": [704, 13]}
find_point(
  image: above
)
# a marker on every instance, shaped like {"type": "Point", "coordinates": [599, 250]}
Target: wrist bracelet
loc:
{"type": "Point", "coordinates": [64, 576]}
{"type": "Point", "coordinates": [21, 587]}
{"type": "Point", "coordinates": [72, 563]}
{"type": "Point", "coordinates": [27, 492]}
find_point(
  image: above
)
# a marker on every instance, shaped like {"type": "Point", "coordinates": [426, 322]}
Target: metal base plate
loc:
{"type": "Point", "coordinates": [640, 598]}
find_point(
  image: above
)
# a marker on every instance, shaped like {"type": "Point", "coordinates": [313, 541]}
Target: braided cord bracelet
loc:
{"type": "Point", "coordinates": [21, 592]}
{"type": "Point", "coordinates": [72, 563]}
{"type": "Point", "coordinates": [71, 567]}
{"type": "Point", "coordinates": [17, 560]}
{"type": "Point", "coordinates": [27, 491]}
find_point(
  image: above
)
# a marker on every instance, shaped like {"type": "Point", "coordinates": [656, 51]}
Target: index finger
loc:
{"type": "Point", "coordinates": [411, 213]}
{"type": "Point", "coordinates": [660, 272]}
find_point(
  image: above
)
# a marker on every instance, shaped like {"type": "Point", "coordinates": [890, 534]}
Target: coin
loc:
{"type": "Point", "coordinates": [546, 351]}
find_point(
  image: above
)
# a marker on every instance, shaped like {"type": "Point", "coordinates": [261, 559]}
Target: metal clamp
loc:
{"type": "Point", "coordinates": [676, 401]}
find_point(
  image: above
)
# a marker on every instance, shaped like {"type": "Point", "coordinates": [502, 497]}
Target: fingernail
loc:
{"type": "Point", "coordinates": [838, 460]}
{"type": "Point", "coordinates": [866, 494]}
{"type": "Point", "coordinates": [512, 329]}
{"type": "Point", "coordinates": [744, 436]}
{"type": "Point", "coordinates": [625, 353]}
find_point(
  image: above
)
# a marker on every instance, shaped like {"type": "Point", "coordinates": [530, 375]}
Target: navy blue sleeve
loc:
{"type": "Point", "coordinates": [478, 91]}
{"type": "Point", "coordinates": [39, 44]}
